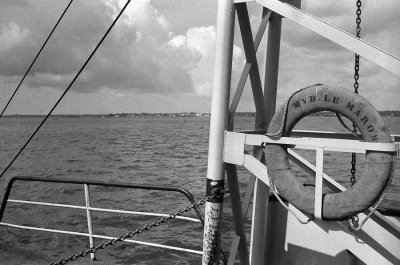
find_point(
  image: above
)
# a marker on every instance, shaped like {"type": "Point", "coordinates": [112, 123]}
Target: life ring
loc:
{"type": "Point", "coordinates": [378, 165]}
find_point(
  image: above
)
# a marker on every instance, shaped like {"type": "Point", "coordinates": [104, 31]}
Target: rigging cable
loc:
{"type": "Point", "coordinates": [67, 89]}
{"type": "Point", "coordinates": [34, 60]}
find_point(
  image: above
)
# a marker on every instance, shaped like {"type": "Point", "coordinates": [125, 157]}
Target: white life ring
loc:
{"type": "Point", "coordinates": [378, 165]}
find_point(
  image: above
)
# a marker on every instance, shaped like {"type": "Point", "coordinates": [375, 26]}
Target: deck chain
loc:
{"type": "Point", "coordinates": [357, 57]}
{"type": "Point", "coordinates": [217, 194]}
{"type": "Point", "coordinates": [356, 85]}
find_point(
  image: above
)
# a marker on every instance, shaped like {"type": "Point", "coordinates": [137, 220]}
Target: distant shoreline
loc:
{"type": "Point", "coordinates": [384, 113]}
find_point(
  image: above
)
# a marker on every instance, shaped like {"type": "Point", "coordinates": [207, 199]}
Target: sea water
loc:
{"type": "Point", "coordinates": [165, 151]}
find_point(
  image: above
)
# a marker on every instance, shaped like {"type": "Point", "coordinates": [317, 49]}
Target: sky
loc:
{"type": "Point", "coordinates": [160, 55]}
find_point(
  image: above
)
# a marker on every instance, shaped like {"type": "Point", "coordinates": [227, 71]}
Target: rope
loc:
{"type": "Point", "coordinates": [353, 221]}
{"type": "Point", "coordinates": [34, 60]}
{"type": "Point", "coordinates": [345, 126]}
{"type": "Point", "coordinates": [274, 191]}
{"type": "Point", "coordinates": [66, 90]}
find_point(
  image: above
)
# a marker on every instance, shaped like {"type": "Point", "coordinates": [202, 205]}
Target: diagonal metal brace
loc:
{"type": "Point", "coordinates": [247, 67]}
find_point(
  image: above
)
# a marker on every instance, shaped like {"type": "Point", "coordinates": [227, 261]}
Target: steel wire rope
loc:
{"type": "Point", "coordinates": [34, 60]}
{"type": "Point", "coordinates": [67, 89]}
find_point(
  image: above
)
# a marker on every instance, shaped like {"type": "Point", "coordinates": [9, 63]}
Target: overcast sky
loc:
{"type": "Point", "coordinates": [160, 55]}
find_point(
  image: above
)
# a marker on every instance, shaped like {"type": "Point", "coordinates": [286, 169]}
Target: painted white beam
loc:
{"type": "Point", "coordinates": [339, 36]}
{"type": "Point", "coordinates": [338, 145]}
{"type": "Point", "coordinates": [257, 168]}
{"type": "Point", "coordinates": [242, 1]}
{"type": "Point", "coordinates": [323, 134]}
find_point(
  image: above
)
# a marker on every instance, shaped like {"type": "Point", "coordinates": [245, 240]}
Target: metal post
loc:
{"type": "Point", "coordinates": [89, 218]}
{"type": "Point", "coordinates": [258, 247]}
{"type": "Point", "coordinates": [237, 213]}
{"type": "Point", "coordinates": [318, 182]}
{"type": "Point", "coordinates": [272, 64]}
{"type": "Point", "coordinates": [218, 124]}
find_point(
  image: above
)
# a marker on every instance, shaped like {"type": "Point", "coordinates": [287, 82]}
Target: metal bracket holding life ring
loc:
{"type": "Point", "coordinates": [378, 165]}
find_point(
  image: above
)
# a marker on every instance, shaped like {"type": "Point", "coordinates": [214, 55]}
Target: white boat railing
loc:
{"type": "Point", "coordinates": [89, 209]}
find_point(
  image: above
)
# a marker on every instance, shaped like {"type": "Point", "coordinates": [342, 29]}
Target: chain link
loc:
{"type": "Point", "coordinates": [353, 169]}
{"type": "Point", "coordinates": [218, 193]}
{"type": "Point", "coordinates": [356, 86]}
{"type": "Point", "coordinates": [357, 57]}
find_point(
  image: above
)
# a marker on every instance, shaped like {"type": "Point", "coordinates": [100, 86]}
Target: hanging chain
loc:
{"type": "Point", "coordinates": [218, 193]}
{"type": "Point", "coordinates": [353, 169]}
{"type": "Point", "coordinates": [356, 86]}
{"type": "Point", "coordinates": [357, 57]}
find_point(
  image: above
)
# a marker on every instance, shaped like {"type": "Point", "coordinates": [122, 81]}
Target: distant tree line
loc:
{"type": "Point", "coordinates": [186, 114]}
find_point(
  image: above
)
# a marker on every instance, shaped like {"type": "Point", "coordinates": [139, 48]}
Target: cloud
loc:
{"type": "Point", "coordinates": [141, 54]}
{"type": "Point", "coordinates": [13, 40]}
{"type": "Point", "coordinates": [11, 35]}
{"type": "Point", "coordinates": [199, 42]}
{"type": "Point", "coordinates": [145, 54]}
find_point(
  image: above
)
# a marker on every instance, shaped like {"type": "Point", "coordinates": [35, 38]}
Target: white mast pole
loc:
{"type": "Point", "coordinates": [218, 125]}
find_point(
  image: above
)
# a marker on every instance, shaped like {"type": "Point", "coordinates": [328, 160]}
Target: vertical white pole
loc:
{"type": "Point", "coordinates": [259, 236]}
{"type": "Point", "coordinates": [89, 218]}
{"type": "Point", "coordinates": [218, 124]}
{"type": "Point", "coordinates": [318, 182]}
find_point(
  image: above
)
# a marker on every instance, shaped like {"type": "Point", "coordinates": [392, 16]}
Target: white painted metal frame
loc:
{"type": "Point", "coordinates": [234, 152]}
{"type": "Point", "coordinates": [335, 145]}
{"type": "Point", "coordinates": [383, 251]}
{"type": "Point", "coordinates": [243, 1]}
{"type": "Point", "coordinates": [235, 145]}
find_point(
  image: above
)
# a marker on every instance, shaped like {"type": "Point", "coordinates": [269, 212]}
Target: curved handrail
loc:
{"type": "Point", "coordinates": [183, 191]}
